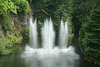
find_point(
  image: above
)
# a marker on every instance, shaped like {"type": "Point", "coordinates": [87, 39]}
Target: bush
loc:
{"type": "Point", "coordinates": [7, 44]}
{"type": "Point", "coordinates": [23, 5]}
{"type": "Point", "coordinates": [25, 33]}
{"type": "Point", "coordinates": [89, 38]}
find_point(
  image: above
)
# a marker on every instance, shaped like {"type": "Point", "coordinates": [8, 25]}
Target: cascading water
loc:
{"type": "Point", "coordinates": [33, 33]}
{"type": "Point", "coordinates": [63, 35]}
{"type": "Point", "coordinates": [48, 35]}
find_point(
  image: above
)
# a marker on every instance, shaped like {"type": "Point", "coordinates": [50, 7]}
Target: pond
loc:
{"type": "Point", "coordinates": [61, 60]}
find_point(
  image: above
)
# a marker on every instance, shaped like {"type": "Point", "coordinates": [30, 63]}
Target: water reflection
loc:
{"type": "Point", "coordinates": [51, 61]}
{"type": "Point", "coordinates": [61, 60]}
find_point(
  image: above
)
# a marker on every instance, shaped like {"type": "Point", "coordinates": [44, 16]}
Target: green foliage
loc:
{"type": "Point", "coordinates": [56, 9]}
{"type": "Point", "coordinates": [88, 59]}
{"type": "Point", "coordinates": [40, 9]}
{"type": "Point", "coordinates": [39, 24]}
{"type": "Point", "coordinates": [7, 44]}
{"type": "Point", "coordinates": [8, 26]}
{"type": "Point", "coordinates": [8, 7]}
{"type": "Point", "coordinates": [81, 8]}
{"type": "Point", "coordinates": [89, 38]}
{"type": "Point", "coordinates": [64, 10]}
{"type": "Point", "coordinates": [10, 40]}
{"type": "Point", "coordinates": [6, 51]}
{"type": "Point", "coordinates": [23, 6]}
{"type": "Point", "coordinates": [0, 27]}
{"type": "Point", "coordinates": [25, 33]}
{"type": "Point", "coordinates": [1, 35]}
{"type": "Point", "coordinates": [6, 23]}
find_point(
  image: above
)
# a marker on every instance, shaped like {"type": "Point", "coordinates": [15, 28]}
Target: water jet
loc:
{"type": "Point", "coordinates": [48, 40]}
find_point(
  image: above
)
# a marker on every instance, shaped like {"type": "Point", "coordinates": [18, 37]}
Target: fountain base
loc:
{"type": "Point", "coordinates": [55, 51]}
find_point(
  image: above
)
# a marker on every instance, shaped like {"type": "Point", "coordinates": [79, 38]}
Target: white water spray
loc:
{"type": "Point", "coordinates": [48, 35]}
{"type": "Point", "coordinates": [48, 39]}
{"type": "Point", "coordinates": [63, 35]}
{"type": "Point", "coordinates": [33, 34]}
{"type": "Point", "coordinates": [65, 56]}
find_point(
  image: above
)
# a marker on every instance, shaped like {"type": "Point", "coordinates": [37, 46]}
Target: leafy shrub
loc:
{"type": "Point", "coordinates": [1, 35]}
{"type": "Point", "coordinates": [17, 33]}
{"type": "Point", "coordinates": [25, 33]}
{"type": "Point", "coordinates": [8, 7]}
{"type": "Point", "coordinates": [8, 26]}
{"type": "Point", "coordinates": [7, 43]}
{"type": "Point", "coordinates": [23, 5]}
{"type": "Point", "coordinates": [89, 38]}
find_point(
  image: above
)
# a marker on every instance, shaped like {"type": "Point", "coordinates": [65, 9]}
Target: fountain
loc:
{"type": "Point", "coordinates": [33, 34]}
{"type": "Point", "coordinates": [63, 35]}
{"type": "Point", "coordinates": [48, 39]}
{"type": "Point", "coordinates": [49, 55]}
{"type": "Point", "coordinates": [48, 34]}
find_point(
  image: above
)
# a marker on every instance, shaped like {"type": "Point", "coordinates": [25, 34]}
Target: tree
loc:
{"type": "Point", "coordinates": [89, 38]}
